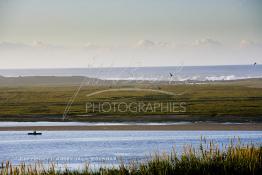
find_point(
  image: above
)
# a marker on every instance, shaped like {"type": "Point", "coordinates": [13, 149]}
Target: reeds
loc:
{"type": "Point", "coordinates": [208, 159]}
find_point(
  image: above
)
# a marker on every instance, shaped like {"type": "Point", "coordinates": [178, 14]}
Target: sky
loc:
{"type": "Point", "coordinates": [105, 33]}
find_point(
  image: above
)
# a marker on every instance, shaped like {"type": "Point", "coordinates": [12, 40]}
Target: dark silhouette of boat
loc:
{"type": "Point", "coordinates": [34, 133]}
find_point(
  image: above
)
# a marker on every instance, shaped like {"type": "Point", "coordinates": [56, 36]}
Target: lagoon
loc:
{"type": "Point", "coordinates": [102, 148]}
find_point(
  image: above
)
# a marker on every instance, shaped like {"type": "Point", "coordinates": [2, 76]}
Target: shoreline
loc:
{"type": "Point", "coordinates": [140, 127]}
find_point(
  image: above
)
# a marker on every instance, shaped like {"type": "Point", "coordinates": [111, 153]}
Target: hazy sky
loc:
{"type": "Point", "coordinates": [81, 33]}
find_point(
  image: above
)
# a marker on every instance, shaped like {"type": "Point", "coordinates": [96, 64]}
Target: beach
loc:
{"type": "Point", "coordinates": [201, 126]}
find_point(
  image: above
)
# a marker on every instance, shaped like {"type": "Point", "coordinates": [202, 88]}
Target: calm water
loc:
{"type": "Point", "coordinates": [181, 73]}
{"type": "Point", "coordinates": [106, 147]}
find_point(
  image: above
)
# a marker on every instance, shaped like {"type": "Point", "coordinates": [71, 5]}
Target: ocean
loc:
{"type": "Point", "coordinates": [179, 73]}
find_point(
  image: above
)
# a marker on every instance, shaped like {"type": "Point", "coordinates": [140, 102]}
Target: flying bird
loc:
{"type": "Point", "coordinates": [171, 75]}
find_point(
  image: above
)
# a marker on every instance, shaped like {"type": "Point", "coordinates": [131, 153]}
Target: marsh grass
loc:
{"type": "Point", "coordinates": [208, 159]}
{"type": "Point", "coordinates": [206, 102]}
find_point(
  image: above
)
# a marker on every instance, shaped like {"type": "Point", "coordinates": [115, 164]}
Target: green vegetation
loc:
{"type": "Point", "coordinates": [233, 160]}
{"type": "Point", "coordinates": [238, 101]}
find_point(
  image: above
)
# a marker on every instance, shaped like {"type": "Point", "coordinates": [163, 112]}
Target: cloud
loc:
{"type": "Point", "coordinates": [207, 42]}
{"type": "Point", "coordinates": [12, 45]}
{"type": "Point", "coordinates": [248, 44]}
{"type": "Point", "coordinates": [164, 44]}
{"type": "Point", "coordinates": [141, 44]}
{"type": "Point", "coordinates": [35, 45]}
{"type": "Point", "coordinates": [41, 44]}
{"type": "Point", "coordinates": [150, 52]}
{"type": "Point", "coordinates": [93, 46]}
{"type": "Point", "coordinates": [151, 44]}
{"type": "Point", "coordinates": [145, 44]}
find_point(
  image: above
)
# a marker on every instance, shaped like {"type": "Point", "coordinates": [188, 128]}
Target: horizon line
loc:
{"type": "Point", "coordinates": [211, 65]}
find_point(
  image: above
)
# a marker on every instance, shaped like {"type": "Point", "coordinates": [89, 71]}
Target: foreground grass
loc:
{"type": "Point", "coordinates": [233, 160]}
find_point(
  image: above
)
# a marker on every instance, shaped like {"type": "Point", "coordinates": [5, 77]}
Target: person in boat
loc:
{"type": "Point", "coordinates": [34, 133]}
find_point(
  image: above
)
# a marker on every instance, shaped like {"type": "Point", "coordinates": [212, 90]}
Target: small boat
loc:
{"type": "Point", "coordinates": [34, 133]}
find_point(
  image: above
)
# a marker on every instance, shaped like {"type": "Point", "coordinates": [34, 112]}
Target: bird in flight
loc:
{"type": "Point", "coordinates": [171, 75]}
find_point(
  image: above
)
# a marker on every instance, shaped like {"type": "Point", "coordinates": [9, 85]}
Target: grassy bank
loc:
{"type": "Point", "coordinates": [237, 101]}
{"type": "Point", "coordinates": [233, 160]}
